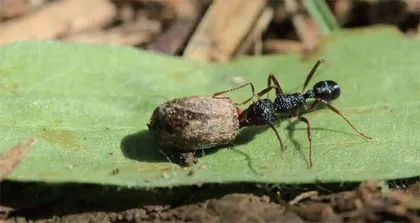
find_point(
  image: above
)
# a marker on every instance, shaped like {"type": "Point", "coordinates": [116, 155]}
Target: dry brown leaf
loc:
{"type": "Point", "coordinates": [11, 158]}
{"type": "Point", "coordinates": [306, 32]}
{"type": "Point", "coordinates": [256, 32]}
{"type": "Point", "coordinates": [283, 46]}
{"type": "Point", "coordinates": [223, 28]}
{"type": "Point", "coordinates": [14, 8]}
{"type": "Point", "coordinates": [174, 38]}
{"type": "Point", "coordinates": [136, 33]}
{"type": "Point", "coordinates": [59, 19]}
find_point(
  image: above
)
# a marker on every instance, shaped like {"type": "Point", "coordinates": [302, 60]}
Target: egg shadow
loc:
{"type": "Point", "coordinates": [142, 146]}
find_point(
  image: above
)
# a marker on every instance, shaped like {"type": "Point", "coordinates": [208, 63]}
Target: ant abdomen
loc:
{"type": "Point", "coordinates": [327, 90]}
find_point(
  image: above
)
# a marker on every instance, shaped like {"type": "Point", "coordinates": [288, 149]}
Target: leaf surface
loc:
{"type": "Point", "coordinates": [88, 106]}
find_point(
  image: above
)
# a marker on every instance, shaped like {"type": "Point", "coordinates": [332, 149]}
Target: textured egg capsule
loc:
{"type": "Point", "coordinates": [194, 123]}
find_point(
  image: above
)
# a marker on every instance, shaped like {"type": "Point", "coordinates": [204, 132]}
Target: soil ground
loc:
{"type": "Point", "coordinates": [366, 202]}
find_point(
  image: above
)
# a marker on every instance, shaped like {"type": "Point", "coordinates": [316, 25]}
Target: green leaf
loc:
{"type": "Point", "coordinates": [88, 106]}
{"type": "Point", "coordinates": [323, 16]}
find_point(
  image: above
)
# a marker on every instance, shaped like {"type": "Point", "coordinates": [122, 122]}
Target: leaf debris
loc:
{"type": "Point", "coordinates": [11, 158]}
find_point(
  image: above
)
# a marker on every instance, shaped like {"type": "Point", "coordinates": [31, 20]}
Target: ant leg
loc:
{"type": "Point", "coordinates": [311, 108]}
{"type": "Point", "coordinates": [311, 73]}
{"type": "Point", "coordinates": [276, 86]}
{"type": "Point", "coordinates": [308, 133]}
{"type": "Point", "coordinates": [261, 93]}
{"type": "Point", "coordinates": [234, 89]}
{"type": "Point", "coordinates": [272, 78]}
{"type": "Point", "coordinates": [340, 114]}
{"type": "Point", "coordinates": [278, 137]}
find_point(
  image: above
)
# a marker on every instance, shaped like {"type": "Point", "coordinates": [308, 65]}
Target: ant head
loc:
{"type": "Point", "coordinates": [327, 90]}
{"type": "Point", "coordinates": [261, 112]}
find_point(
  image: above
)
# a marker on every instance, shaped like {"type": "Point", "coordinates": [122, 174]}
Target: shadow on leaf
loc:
{"type": "Point", "coordinates": [143, 147]}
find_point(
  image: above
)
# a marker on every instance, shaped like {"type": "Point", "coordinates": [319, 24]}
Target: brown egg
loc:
{"type": "Point", "coordinates": [194, 123]}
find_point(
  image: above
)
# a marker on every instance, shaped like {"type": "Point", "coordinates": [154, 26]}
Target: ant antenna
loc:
{"type": "Point", "coordinates": [216, 95]}
{"type": "Point", "coordinates": [311, 73]}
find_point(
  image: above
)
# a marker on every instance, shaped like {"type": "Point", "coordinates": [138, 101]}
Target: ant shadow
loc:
{"type": "Point", "coordinates": [143, 147]}
{"type": "Point", "coordinates": [291, 129]}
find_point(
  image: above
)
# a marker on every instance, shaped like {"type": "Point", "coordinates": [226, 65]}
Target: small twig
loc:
{"type": "Point", "coordinates": [303, 196]}
{"type": "Point", "coordinates": [222, 29]}
{"type": "Point", "coordinates": [282, 46]}
{"type": "Point", "coordinates": [257, 31]}
{"type": "Point", "coordinates": [303, 30]}
{"type": "Point", "coordinates": [173, 39]}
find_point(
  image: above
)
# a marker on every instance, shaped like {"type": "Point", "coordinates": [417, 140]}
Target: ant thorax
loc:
{"type": "Point", "coordinates": [289, 103]}
{"type": "Point", "coordinates": [262, 112]}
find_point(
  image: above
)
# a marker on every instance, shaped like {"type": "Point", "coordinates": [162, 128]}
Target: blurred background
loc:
{"type": "Point", "coordinates": [202, 30]}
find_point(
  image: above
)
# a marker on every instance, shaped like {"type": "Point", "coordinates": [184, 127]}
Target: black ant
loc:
{"type": "Point", "coordinates": [266, 112]}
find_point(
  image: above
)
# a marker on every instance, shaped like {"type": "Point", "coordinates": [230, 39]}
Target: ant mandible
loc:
{"type": "Point", "coordinates": [266, 112]}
